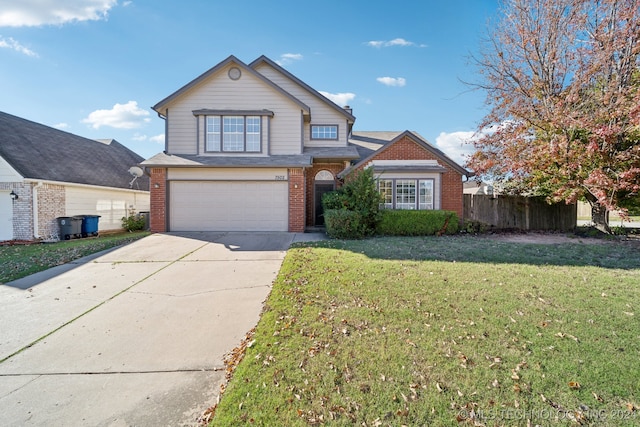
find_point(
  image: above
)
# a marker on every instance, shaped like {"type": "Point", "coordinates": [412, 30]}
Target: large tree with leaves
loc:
{"type": "Point", "coordinates": [562, 79]}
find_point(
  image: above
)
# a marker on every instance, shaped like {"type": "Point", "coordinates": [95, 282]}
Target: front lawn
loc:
{"type": "Point", "coordinates": [22, 260]}
{"type": "Point", "coordinates": [442, 332]}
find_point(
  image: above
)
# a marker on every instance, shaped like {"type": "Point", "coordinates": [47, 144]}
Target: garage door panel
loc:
{"type": "Point", "coordinates": [228, 206]}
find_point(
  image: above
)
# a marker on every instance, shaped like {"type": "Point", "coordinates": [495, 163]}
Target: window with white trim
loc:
{"type": "Point", "coordinates": [408, 194]}
{"type": "Point", "coordinates": [425, 188]}
{"type": "Point", "coordinates": [233, 134]}
{"type": "Point", "coordinates": [405, 194]}
{"type": "Point", "coordinates": [324, 131]}
{"type": "Point", "coordinates": [385, 186]}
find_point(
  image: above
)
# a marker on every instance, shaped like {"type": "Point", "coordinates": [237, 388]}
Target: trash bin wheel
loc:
{"type": "Point", "coordinates": [67, 237]}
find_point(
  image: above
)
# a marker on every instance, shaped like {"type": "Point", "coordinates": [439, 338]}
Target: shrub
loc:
{"type": "Point", "coordinates": [134, 222]}
{"type": "Point", "coordinates": [359, 196]}
{"type": "Point", "coordinates": [417, 223]}
{"type": "Point", "coordinates": [345, 224]}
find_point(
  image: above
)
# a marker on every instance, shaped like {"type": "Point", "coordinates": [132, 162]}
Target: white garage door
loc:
{"type": "Point", "coordinates": [228, 206]}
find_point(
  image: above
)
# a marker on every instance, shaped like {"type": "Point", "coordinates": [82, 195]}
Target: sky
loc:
{"type": "Point", "coordinates": [96, 67]}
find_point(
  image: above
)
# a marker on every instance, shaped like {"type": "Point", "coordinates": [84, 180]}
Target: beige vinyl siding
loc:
{"type": "Point", "coordinates": [321, 113]}
{"type": "Point", "coordinates": [110, 204]}
{"type": "Point", "coordinates": [7, 173]}
{"type": "Point", "coordinates": [219, 92]}
{"type": "Point", "coordinates": [241, 174]}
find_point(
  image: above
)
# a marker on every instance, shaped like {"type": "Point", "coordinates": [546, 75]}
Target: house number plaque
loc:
{"type": "Point", "coordinates": [281, 178]}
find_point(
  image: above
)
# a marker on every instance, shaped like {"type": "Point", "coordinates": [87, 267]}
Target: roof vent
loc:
{"type": "Point", "coordinates": [348, 109]}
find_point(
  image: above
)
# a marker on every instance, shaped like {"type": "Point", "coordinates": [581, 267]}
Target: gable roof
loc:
{"type": "Point", "coordinates": [264, 60]}
{"type": "Point", "coordinates": [41, 152]}
{"type": "Point", "coordinates": [217, 68]}
{"type": "Point", "coordinates": [371, 144]}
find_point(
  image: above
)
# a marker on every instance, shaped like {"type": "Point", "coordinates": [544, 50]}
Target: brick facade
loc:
{"type": "Point", "coordinates": [408, 149]}
{"type": "Point", "coordinates": [334, 168]}
{"type": "Point", "coordinates": [296, 200]}
{"type": "Point", "coordinates": [51, 205]}
{"type": "Point", "coordinates": [158, 188]}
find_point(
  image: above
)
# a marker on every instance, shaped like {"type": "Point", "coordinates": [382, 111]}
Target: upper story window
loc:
{"type": "Point", "coordinates": [324, 131]}
{"type": "Point", "coordinates": [233, 134]}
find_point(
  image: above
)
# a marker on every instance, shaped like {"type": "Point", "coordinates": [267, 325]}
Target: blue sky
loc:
{"type": "Point", "coordinates": [95, 67]}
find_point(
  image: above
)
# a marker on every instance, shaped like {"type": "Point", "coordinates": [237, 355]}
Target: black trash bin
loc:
{"type": "Point", "coordinates": [89, 226]}
{"type": "Point", "coordinates": [70, 227]}
{"type": "Point", "coordinates": [145, 215]}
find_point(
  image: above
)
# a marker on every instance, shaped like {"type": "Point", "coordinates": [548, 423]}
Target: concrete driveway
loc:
{"type": "Point", "coordinates": [135, 336]}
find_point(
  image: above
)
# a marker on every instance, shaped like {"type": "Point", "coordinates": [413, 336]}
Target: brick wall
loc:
{"type": "Point", "coordinates": [158, 206]}
{"type": "Point", "coordinates": [334, 168]}
{"type": "Point", "coordinates": [296, 200]}
{"type": "Point", "coordinates": [51, 205]}
{"type": "Point", "coordinates": [407, 149]}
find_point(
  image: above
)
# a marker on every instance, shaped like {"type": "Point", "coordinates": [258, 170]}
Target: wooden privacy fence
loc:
{"type": "Point", "coordinates": [519, 212]}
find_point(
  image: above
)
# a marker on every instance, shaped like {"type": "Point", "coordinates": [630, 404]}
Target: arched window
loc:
{"type": "Point", "coordinates": [324, 176]}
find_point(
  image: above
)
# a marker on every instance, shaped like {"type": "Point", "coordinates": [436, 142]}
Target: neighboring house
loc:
{"type": "Point", "coordinates": [479, 188]}
{"type": "Point", "coordinates": [251, 147]}
{"type": "Point", "coordinates": [46, 173]}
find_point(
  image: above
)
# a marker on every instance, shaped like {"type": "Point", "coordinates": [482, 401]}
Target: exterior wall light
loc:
{"type": "Point", "coordinates": [13, 195]}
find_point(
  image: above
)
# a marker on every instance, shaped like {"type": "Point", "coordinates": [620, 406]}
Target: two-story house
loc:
{"type": "Point", "coordinates": [250, 147]}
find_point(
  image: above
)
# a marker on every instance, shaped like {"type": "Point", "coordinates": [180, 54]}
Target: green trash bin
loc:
{"type": "Point", "coordinates": [70, 227]}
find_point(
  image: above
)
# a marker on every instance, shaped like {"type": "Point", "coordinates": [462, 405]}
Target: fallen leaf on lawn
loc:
{"type": "Point", "coordinates": [628, 313]}
{"type": "Point", "coordinates": [574, 385]}
{"type": "Point", "coordinates": [460, 393]}
{"type": "Point", "coordinates": [631, 407]}
{"type": "Point", "coordinates": [440, 388]}
{"type": "Point", "coordinates": [598, 398]}
{"type": "Point", "coordinates": [495, 383]}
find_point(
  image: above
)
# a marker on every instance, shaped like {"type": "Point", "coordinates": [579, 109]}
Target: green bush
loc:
{"type": "Point", "coordinates": [360, 197]}
{"type": "Point", "coordinates": [345, 224]}
{"type": "Point", "coordinates": [334, 200]}
{"type": "Point", "coordinates": [134, 222]}
{"type": "Point", "coordinates": [417, 223]}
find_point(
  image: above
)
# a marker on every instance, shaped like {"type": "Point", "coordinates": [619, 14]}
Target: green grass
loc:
{"type": "Point", "coordinates": [444, 332]}
{"type": "Point", "coordinates": [22, 260]}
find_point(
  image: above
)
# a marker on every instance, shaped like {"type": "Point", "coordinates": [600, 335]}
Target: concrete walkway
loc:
{"type": "Point", "coordinates": [134, 336]}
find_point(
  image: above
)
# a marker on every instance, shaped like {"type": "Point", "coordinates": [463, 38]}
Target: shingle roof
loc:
{"type": "Point", "coordinates": [184, 160]}
{"type": "Point", "coordinates": [37, 151]}
{"type": "Point", "coordinates": [370, 143]}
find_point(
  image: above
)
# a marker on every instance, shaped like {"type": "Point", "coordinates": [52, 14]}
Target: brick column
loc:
{"type": "Point", "coordinates": [158, 216]}
{"type": "Point", "coordinates": [296, 200]}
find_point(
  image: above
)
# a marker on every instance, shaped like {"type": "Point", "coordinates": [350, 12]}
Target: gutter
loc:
{"type": "Point", "coordinates": [36, 228]}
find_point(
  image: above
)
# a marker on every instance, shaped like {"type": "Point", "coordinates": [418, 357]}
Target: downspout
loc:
{"type": "Point", "coordinates": [36, 228]}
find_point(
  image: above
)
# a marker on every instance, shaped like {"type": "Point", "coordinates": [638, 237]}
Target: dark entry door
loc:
{"type": "Point", "coordinates": [320, 189]}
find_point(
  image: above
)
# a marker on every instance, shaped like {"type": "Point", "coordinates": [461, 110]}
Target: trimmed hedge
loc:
{"type": "Point", "coordinates": [417, 223]}
{"type": "Point", "coordinates": [344, 224]}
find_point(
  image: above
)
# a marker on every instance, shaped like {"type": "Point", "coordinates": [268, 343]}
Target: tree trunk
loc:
{"type": "Point", "coordinates": [599, 215]}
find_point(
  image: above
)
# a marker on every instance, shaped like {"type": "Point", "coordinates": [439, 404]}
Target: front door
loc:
{"type": "Point", "coordinates": [320, 189]}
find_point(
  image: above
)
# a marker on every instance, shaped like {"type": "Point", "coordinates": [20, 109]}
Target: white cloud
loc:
{"type": "Point", "coordinates": [392, 81]}
{"type": "Point", "coordinates": [139, 137]}
{"type": "Point", "coordinates": [342, 99]}
{"type": "Point", "coordinates": [158, 138]}
{"type": "Point", "coordinates": [10, 43]}
{"type": "Point", "coordinates": [61, 126]}
{"type": "Point", "coordinates": [288, 58]}
{"type": "Point", "coordinates": [457, 145]}
{"type": "Point", "coordinates": [121, 116]}
{"type": "Point", "coordinates": [34, 13]}
{"type": "Point", "coordinates": [395, 42]}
